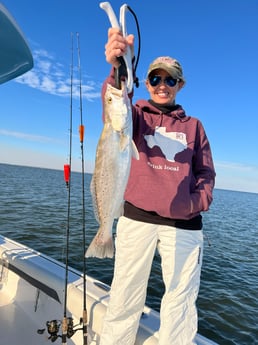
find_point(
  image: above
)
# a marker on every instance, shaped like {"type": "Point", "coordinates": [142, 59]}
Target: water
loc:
{"type": "Point", "coordinates": [33, 208]}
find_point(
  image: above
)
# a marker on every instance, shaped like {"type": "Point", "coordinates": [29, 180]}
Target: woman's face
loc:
{"type": "Point", "coordinates": [162, 93]}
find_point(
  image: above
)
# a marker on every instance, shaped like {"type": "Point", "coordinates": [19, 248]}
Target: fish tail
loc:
{"type": "Point", "coordinates": [100, 249]}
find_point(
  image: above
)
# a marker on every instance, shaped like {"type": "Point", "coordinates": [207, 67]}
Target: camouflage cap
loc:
{"type": "Point", "coordinates": [170, 65]}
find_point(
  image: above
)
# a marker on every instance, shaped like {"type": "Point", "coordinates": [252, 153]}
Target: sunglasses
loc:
{"type": "Point", "coordinates": [157, 79]}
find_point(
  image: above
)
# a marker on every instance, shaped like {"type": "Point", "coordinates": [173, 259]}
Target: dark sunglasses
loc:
{"type": "Point", "coordinates": [157, 79]}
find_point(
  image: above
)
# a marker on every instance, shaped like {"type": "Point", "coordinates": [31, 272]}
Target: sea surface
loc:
{"type": "Point", "coordinates": [34, 211]}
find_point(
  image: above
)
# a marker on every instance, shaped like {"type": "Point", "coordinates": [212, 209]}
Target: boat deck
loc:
{"type": "Point", "coordinates": [32, 291]}
{"type": "Point", "coordinates": [14, 324]}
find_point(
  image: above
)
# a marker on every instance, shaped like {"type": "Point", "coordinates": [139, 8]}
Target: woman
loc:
{"type": "Point", "coordinates": [168, 188]}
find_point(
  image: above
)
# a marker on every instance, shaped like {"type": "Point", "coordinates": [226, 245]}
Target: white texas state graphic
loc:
{"type": "Point", "coordinates": [170, 143]}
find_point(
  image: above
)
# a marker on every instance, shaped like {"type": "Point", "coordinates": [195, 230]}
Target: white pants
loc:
{"type": "Point", "coordinates": [181, 259]}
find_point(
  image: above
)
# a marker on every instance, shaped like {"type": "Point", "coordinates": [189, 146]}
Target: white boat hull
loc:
{"type": "Point", "coordinates": [32, 293]}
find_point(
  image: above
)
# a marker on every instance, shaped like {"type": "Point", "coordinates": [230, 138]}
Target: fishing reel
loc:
{"type": "Point", "coordinates": [53, 327]}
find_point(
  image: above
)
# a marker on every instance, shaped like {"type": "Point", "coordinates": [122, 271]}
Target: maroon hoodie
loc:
{"type": "Point", "coordinates": [174, 176]}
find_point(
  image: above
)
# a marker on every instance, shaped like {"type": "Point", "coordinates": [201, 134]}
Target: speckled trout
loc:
{"type": "Point", "coordinates": [112, 166]}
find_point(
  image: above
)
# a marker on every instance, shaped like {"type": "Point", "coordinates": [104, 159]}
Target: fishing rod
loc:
{"type": "Point", "coordinates": [67, 324]}
{"type": "Point", "coordinates": [68, 327]}
{"type": "Point", "coordinates": [81, 132]}
{"type": "Point", "coordinates": [53, 326]}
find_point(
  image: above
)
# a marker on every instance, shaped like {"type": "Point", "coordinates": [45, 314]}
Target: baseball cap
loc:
{"type": "Point", "coordinates": [170, 65]}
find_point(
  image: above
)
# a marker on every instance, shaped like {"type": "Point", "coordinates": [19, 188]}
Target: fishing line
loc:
{"type": "Point", "coordinates": [139, 38]}
{"type": "Point", "coordinates": [81, 132]}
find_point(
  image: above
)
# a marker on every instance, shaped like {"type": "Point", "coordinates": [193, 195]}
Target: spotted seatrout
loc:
{"type": "Point", "coordinates": [112, 166]}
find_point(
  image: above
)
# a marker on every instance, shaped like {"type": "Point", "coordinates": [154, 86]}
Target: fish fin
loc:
{"type": "Point", "coordinates": [94, 199]}
{"type": "Point", "coordinates": [135, 152]}
{"type": "Point", "coordinates": [100, 249]}
{"type": "Point", "coordinates": [123, 142]}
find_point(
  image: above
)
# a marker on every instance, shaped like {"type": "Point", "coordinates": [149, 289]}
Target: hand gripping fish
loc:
{"type": "Point", "coordinates": [113, 161]}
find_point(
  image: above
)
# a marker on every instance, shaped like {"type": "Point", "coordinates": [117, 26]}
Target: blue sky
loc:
{"type": "Point", "coordinates": [215, 41]}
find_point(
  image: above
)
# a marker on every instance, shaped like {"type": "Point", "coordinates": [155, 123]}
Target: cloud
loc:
{"type": "Point", "coordinates": [236, 167]}
{"type": "Point", "coordinates": [51, 76]}
{"type": "Point", "coordinates": [31, 157]}
{"type": "Point", "coordinates": [28, 137]}
{"type": "Point", "coordinates": [237, 176]}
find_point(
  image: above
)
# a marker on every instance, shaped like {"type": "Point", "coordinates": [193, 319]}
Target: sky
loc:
{"type": "Point", "coordinates": [214, 40]}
